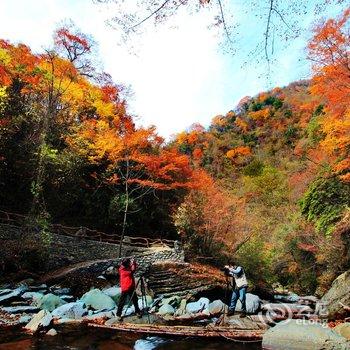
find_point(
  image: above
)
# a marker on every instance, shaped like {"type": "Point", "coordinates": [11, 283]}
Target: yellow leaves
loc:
{"type": "Point", "coordinates": [242, 124]}
{"type": "Point", "coordinates": [3, 93]}
{"type": "Point", "coordinates": [5, 57]}
{"type": "Point", "coordinates": [104, 109]}
{"type": "Point", "coordinates": [261, 115]}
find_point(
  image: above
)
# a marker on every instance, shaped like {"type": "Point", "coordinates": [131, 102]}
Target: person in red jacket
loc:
{"type": "Point", "coordinates": [127, 285]}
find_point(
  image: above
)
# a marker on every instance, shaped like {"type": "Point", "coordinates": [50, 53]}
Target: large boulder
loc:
{"type": "Point", "coordinates": [331, 304]}
{"type": "Point", "coordinates": [114, 293]}
{"type": "Point", "coordinates": [217, 307]}
{"type": "Point", "coordinates": [343, 329]}
{"type": "Point", "coordinates": [198, 306]}
{"type": "Point", "coordinates": [49, 302]}
{"type": "Point", "coordinates": [74, 310]}
{"type": "Point", "coordinates": [252, 304]}
{"type": "Point", "coordinates": [166, 309]}
{"type": "Point", "coordinates": [97, 300]}
{"type": "Point", "coordinates": [303, 335]}
{"type": "Point", "coordinates": [41, 320]}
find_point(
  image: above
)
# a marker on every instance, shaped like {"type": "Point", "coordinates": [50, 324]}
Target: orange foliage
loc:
{"type": "Point", "coordinates": [197, 154]}
{"type": "Point", "coordinates": [239, 151]}
{"type": "Point", "coordinates": [219, 120]}
{"type": "Point", "coordinates": [330, 51]}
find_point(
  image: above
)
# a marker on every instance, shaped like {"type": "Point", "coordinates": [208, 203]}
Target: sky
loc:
{"type": "Point", "coordinates": [178, 72]}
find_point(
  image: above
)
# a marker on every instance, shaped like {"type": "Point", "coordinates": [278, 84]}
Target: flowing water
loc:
{"type": "Point", "coordinates": [105, 340]}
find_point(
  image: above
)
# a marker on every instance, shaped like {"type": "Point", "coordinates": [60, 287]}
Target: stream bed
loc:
{"type": "Point", "coordinates": [105, 340]}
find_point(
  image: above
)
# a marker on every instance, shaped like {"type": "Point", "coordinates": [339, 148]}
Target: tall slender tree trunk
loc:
{"type": "Point", "coordinates": [126, 208]}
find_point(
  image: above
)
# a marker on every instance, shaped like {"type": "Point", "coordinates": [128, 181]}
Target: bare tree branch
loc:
{"type": "Point", "coordinates": [224, 22]}
{"type": "Point", "coordinates": [151, 15]}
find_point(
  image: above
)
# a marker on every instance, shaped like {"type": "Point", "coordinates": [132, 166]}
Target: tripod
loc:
{"type": "Point", "coordinates": [140, 282]}
{"type": "Point", "coordinates": [228, 288]}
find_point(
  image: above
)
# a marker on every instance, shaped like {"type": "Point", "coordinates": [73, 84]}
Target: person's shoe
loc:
{"type": "Point", "coordinates": [243, 314]}
{"type": "Point", "coordinates": [230, 312]}
{"type": "Point", "coordinates": [139, 315]}
{"type": "Point", "coordinates": [120, 318]}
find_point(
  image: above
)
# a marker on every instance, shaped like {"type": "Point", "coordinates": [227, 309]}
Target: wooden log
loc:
{"type": "Point", "coordinates": [190, 331]}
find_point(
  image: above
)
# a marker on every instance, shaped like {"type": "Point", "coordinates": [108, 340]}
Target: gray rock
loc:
{"type": "Point", "coordinates": [287, 309]}
{"type": "Point", "coordinates": [174, 301]}
{"type": "Point", "coordinates": [111, 271]}
{"type": "Point", "coordinates": [217, 307]}
{"type": "Point", "coordinates": [253, 303]}
{"type": "Point", "coordinates": [49, 302]}
{"type": "Point", "coordinates": [182, 308]}
{"type": "Point", "coordinates": [289, 298]}
{"type": "Point", "coordinates": [41, 320]}
{"type": "Point", "coordinates": [67, 298]}
{"type": "Point", "coordinates": [303, 335]}
{"type": "Point", "coordinates": [60, 291]}
{"type": "Point", "coordinates": [25, 319]}
{"type": "Point", "coordinates": [11, 296]}
{"type": "Point", "coordinates": [32, 296]}
{"type": "Point", "coordinates": [114, 293]}
{"type": "Point", "coordinates": [331, 303]}
{"type": "Point", "coordinates": [20, 309]}
{"type": "Point", "coordinates": [68, 321]}
{"type": "Point", "coordinates": [166, 309]}
{"type": "Point", "coordinates": [308, 299]}
{"type": "Point", "coordinates": [5, 291]}
{"type": "Point", "coordinates": [97, 300]}
{"type": "Point", "coordinates": [52, 332]}
{"type": "Point", "coordinates": [198, 306]}
{"type": "Point", "coordinates": [98, 315]}
{"type": "Point", "coordinates": [38, 288]}
{"type": "Point", "coordinates": [75, 310]}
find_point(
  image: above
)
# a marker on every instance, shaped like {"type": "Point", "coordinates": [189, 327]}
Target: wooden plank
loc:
{"type": "Point", "coordinates": [213, 332]}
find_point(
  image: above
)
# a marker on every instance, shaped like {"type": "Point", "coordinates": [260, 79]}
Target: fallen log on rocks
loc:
{"type": "Point", "coordinates": [189, 331]}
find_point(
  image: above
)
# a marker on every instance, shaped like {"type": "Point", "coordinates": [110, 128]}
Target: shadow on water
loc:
{"type": "Point", "coordinates": [105, 340]}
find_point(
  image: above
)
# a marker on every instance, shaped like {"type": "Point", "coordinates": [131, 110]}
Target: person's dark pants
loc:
{"type": "Point", "coordinates": [240, 294]}
{"type": "Point", "coordinates": [131, 294]}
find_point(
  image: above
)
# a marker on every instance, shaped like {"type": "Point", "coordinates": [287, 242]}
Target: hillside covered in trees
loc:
{"type": "Point", "coordinates": [267, 184]}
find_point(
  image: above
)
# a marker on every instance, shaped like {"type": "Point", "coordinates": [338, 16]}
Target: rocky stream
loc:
{"type": "Point", "coordinates": [43, 316]}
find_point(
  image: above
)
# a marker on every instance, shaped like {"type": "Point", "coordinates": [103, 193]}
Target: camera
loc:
{"type": "Point", "coordinates": [226, 271]}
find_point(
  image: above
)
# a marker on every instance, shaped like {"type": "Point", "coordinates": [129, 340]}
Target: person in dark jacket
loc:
{"type": "Point", "coordinates": [127, 285]}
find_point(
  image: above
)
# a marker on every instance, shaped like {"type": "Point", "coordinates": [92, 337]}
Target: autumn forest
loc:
{"type": "Point", "coordinates": [267, 184]}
